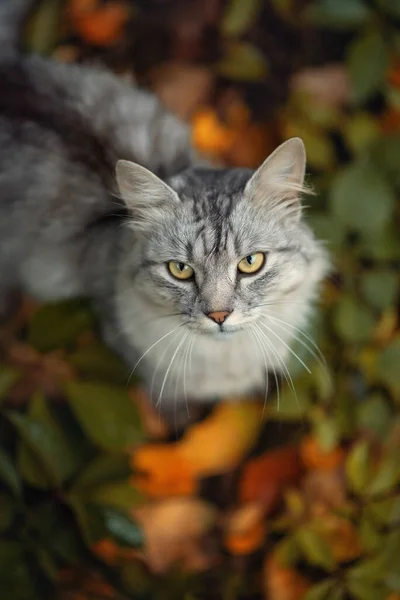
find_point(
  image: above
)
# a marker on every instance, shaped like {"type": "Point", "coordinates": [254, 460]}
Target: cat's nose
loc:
{"type": "Point", "coordinates": [219, 316]}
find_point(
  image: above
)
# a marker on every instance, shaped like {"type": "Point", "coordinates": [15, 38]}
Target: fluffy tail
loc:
{"type": "Point", "coordinates": [12, 16]}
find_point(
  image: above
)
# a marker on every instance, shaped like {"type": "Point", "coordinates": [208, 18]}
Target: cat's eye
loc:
{"type": "Point", "coordinates": [180, 270]}
{"type": "Point", "coordinates": [252, 263]}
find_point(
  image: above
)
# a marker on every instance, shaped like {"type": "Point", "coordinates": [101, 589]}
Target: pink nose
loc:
{"type": "Point", "coordinates": [219, 316]}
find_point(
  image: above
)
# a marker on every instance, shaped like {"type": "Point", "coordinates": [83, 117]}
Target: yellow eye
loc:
{"type": "Point", "coordinates": [180, 270]}
{"type": "Point", "coordinates": [252, 263]}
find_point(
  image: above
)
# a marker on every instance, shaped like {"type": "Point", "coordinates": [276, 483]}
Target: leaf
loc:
{"type": "Point", "coordinates": [320, 591]}
{"type": "Point", "coordinates": [315, 548]}
{"type": "Point", "coordinates": [388, 364]}
{"type": "Point", "coordinates": [9, 474]}
{"type": "Point", "coordinates": [15, 575]}
{"type": "Point", "coordinates": [380, 288]}
{"type": "Point", "coordinates": [97, 362]}
{"type": "Point", "coordinates": [387, 476]}
{"type": "Point", "coordinates": [265, 477]}
{"type": "Point", "coordinates": [104, 468]}
{"type": "Point", "coordinates": [363, 591]}
{"type": "Point", "coordinates": [8, 376]}
{"type": "Point", "coordinates": [367, 62]}
{"type": "Point", "coordinates": [7, 512]}
{"type": "Point", "coordinates": [239, 17]}
{"type": "Point", "coordinates": [357, 466]}
{"type": "Point", "coordinates": [120, 495]}
{"type": "Point", "coordinates": [353, 321]}
{"type": "Point", "coordinates": [339, 14]}
{"type": "Point", "coordinates": [122, 528]}
{"type": "Point", "coordinates": [45, 456]}
{"type": "Point", "coordinates": [43, 27]}
{"type": "Point", "coordinates": [242, 62]}
{"type": "Point", "coordinates": [106, 413]}
{"type": "Point", "coordinates": [57, 325]}
{"type": "Point", "coordinates": [362, 199]}
{"type": "Point", "coordinates": [374, 414]}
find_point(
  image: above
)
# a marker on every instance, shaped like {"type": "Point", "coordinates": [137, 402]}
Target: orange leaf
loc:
{"type": "Point", "coordinates": [282, 583]}
{"type": "Point", "coordinates": [245, 529]}
{"type": "Point", "coordinates": [173, 530]}
{"type": "Point", "coordinates": [213, 446]}
{"type": "Point", "coordinates": [314, 457]}
{"type": "Point", "coordinates": [101, 25]}
{"type": "Point", "coordinates": [210, 135]}
{"type": "Point", "coordinates": [265, 477]}
{"type": "Point", "coordinates": [163, 471]}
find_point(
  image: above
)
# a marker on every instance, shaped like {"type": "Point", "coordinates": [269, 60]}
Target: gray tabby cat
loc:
{"type": "Point", "coordinates": [201, 277]}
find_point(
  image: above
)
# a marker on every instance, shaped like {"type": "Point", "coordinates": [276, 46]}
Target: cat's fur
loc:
{"type": "Point", "coordinates": [64, 232]}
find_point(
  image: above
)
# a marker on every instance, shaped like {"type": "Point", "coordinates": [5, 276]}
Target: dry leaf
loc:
{"type": "Point", "coordinates": [211, 447]}
{"type": "Point", "coordinates": [329, 84]}
{"type": "Point", "coordinates": [150, 418]}
{"type": "Point", "coordinates": [173, 531]}
{"type": "Point", "coordinates": [245, 529]}
{"type": "Point", "coordinates": [181, 87]}
{"type": "Point", "coordinates": [282, 583]}
{"type": "Point", "coordinates": [98, 24]}
{"type": "Point", "coordinates": [315, 457]}
{"type": "Point", "coordinates": [265, 477]}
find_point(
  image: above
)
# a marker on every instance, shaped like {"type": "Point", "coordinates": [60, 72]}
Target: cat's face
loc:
{"type": "Point", "coordinates": [217, 247]}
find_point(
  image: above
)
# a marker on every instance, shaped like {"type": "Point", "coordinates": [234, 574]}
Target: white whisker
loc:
{"type": "Point", "coordinates": [262, 357]}
{"type": "Point", "coordinates": [185, 335]}
{"type": "Point", "coordinates": [149, 349]}
{"type": "Point", "coordinates": [286, 346]}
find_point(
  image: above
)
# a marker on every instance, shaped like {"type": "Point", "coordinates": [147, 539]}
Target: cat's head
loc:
{"type": "Point", "coordinates": [219, 246]}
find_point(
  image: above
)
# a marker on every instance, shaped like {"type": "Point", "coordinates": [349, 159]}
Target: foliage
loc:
{"type": "Point", "coordinates": [97, 498]}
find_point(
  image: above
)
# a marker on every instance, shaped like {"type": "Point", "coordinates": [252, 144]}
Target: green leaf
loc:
{"type": "Point", "coordinates": [360, 130]}
{"type": "Point", "coordinates": [380, 288]}
{"type": "Point", "coordinates": [43, 27]}
{"type": "Point", "coordinates": [121, 495]}
{"type": "Point", "coordinates": [57, 325]}
{"type": "Point", "coordinates": [316, 550]}
{"type": "Point", "coordinates": [353, 321]}
{"type": "Point", "coordinates": [106, 413]}
{"type": "Point", "coordinates": [369, 532]}
{"type": "Point", "coordinates": [358, 466]}
{"type": "Point", "coordinates": [15, 576]}
{"type": "Point", "coordinates": [105, 468]}
{"type": "Point", "coordinates": [122, 528]}
{"type": "Point", "coordinates": [388, 364]}
{"type": "Point", "coordinates": [360, 590]}
{"type": "Point", "coordinates": [339, 14]}
{"type": "Point", "coordinates": [239, 16]}
{"type": "Point", "coordinates": [97, 362]}
{"type": "Point", "coordinates": [45, 457]}
{"type": "Point", "coordinates": [391, 7]}
{"type": "Point", "coordinates": [374, 414]}
{"type": "Point", "coordinates": [8, 376]}
{"type": "Point", "coordinates": [99, 522]}
{"type": "Point", "coordinates": [387, 477]}
{"type": "Point", "coordinates": [362, 199]}
{"type": "Point", "coordinates": [367, 61]}
{"type": "Point", "coordinates": [7, 511]}
{"type": "Point", "coordinates": [385, 153]}
{"type": "Point", "coordinates": [242, 62]}
{"type": "Point", "coordinates": [320, 591]}
{"type": "Point", "coordinates": [9, 474]}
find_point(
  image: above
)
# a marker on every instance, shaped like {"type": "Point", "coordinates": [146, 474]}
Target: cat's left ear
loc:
{"type": "Point", "coordinates": [145, 194]}
{"type": "Point", "coordinates": [279, 181]}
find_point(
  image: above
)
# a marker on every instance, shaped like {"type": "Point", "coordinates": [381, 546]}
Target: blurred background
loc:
{"type": "Point", "coordinates": [300, 500]}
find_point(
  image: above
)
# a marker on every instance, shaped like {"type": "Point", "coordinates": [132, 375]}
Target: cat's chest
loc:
{"type": "Point", "coordinates": [205, 369]}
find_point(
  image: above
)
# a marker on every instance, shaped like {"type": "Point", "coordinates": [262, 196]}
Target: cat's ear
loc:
{"type": "Point", "coordinates": [279, 181]}
{"type": "Point", "coordinates": [145, 194]}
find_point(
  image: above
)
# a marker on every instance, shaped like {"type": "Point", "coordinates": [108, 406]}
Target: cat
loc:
{"type": "Point", "coordinates": [201, 276]}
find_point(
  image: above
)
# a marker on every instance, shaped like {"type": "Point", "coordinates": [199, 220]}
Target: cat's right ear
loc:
{"type": "Point", "coordinates": [145, 194]}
